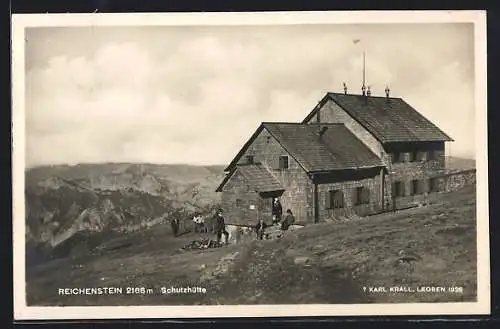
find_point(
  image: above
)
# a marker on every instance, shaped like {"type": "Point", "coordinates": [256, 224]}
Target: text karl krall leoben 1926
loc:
{"type": "Point", "coordinates": [409, 289]}
{"type": "Point", "coordinates": [131, 291]}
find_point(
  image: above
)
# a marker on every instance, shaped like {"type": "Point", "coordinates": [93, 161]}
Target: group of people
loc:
{"type": "Point", "coordinates": [218, 225]}
{"type": "Point", "coordinates": [277, 214]}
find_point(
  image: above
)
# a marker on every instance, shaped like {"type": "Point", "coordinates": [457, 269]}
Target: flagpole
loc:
{"type": "Point", "coordinates": [364, 69]}
{"type": "Point", "coordinates": [363, 87]}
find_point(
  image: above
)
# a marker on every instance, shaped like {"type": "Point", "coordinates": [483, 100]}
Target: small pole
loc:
{"type": "Point", "coordinates": [364, 69]}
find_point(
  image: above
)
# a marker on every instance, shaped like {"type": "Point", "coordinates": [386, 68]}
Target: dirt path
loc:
{"type": "Point", "coordinates": [265, 273]}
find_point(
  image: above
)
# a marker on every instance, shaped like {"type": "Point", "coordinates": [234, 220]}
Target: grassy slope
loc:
{"type": "Point", "coordinates": [340, 258]}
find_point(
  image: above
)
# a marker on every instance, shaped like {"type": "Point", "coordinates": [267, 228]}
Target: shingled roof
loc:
{"type": "Point", "coordinates": [336, 149]}
{"type": "Point", "coordinates": [260, 178]}
{"type": "Point", "coordinates": [388, 119]}
{"type": "Point", "coordinates": [257, 176]}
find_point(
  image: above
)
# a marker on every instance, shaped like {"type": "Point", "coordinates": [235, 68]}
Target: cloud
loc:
{"type": "Point", "coordinates": [199, 99]}
{"type": "Point", "coordinates": [450, 106]}
{"type": "Point", "coordinates": [108, 109]}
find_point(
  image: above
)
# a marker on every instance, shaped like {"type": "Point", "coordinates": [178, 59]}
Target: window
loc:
{"type": "Point", "coordinates": [398, 189]}
{"type": "Point", "coordinates": [434, 185]}
{"type": "Point", "coordinates": [362, 195]}
{"type": "Point", "coordinates": [398, 157]}
{"type": "Point", "coordinates": [417, 187]}
{"type": "Point", "coordinates": [336, 199]}
{"type": "Point", "coordinates": [268, 139]}
{"type": "Point", "coordinates": [414, 156]}
{"type": "Point", "coordinates": [239, 202]}
{"type": "Point", "coordinates": [283, 162]}
{"type": "Point", "coordinates": [250, 159]}
{"type": "Point", "coordinates": [431, 155]}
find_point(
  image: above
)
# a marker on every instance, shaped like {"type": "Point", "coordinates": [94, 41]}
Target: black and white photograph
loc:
{"type": "Point", "coordinates": [250, 164]}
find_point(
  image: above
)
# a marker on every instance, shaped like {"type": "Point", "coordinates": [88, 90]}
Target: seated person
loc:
{"type": "Point", "coordinates": [288, 221]}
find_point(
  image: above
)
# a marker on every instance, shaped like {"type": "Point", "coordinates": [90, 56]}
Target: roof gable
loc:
{"type": "Point", "coordinates": [337, 149]}
{"type": "Point", "coordinates": [257, 176]}
{"type": "Point", "coordinates": [249, 142]}
{"type": "Point", "coordinates": [224, 181]}
{"type": "Point", "coordinates": [244, 148]}
{"type": "Point", "coordinates": [387, 119]}
{"type": "Point", "coordinates": [260, 178]}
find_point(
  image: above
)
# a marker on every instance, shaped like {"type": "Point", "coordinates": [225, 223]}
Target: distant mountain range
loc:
{"type": "Point", "coordinates": [456, 163]}
{"type": "Point", "coordinates": [63, 202]}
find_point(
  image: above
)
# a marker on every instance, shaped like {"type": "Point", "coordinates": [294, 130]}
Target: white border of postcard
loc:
{"type": "Point", "coordinates": [21, 21]}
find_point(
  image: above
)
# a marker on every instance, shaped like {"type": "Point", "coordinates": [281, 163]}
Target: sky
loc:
{"type": "Point", "coordinates": [195, 94]}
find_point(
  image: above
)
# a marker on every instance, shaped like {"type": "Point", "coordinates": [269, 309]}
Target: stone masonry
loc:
{"type": "Point", "coordinates": [298, 188]}
{"type": "Point", "coordinates": [404, 171]}
{"type": "Point", "coordinates": [414, 179]}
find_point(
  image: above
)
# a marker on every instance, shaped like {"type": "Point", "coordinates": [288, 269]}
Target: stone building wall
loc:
{"type": "Point", "coordinates": [330, 112]}
{"type": "Point", "coordinates": [237, 197]}
{"type": "Point", "coordinates": [298, 188]}
{"type": "Point", "coordinates": [456, 180]}
{"type": "Point", "coordinates": [348, 189]}
{"type": "Point", "coordinates": [404, 171]}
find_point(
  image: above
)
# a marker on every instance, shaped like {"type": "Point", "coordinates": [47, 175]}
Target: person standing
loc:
{"type": "Point", "coordinates": [209, 223]}
{"type": "Point", "coordinates": [260, 228]}
{"type": "Point", "coordinates": [203, 226]}
{"type": "Point", "coordinates": [198, 223]}
{"type": "Point", "coordinates": [174, 223]}
{"type": "Point", "coordinates": [277, 211]}
{"type": "Point", "coordinates": [195, 223]}
{"type": "Point", "coordinates": [220, 227]}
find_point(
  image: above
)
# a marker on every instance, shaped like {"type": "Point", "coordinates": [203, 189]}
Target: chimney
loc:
{"type": "Point", "coordinates": [368, 92]}
{"type": "Point", "coordinates": [322, 131]}
{"type": "Point", "coordinates": [345, 88]}
{"type": "Point", "coordinates": [387, 91]}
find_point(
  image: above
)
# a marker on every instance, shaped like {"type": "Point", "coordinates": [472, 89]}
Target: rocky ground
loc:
{"type": "Point", "coordinates": [322, 263]}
